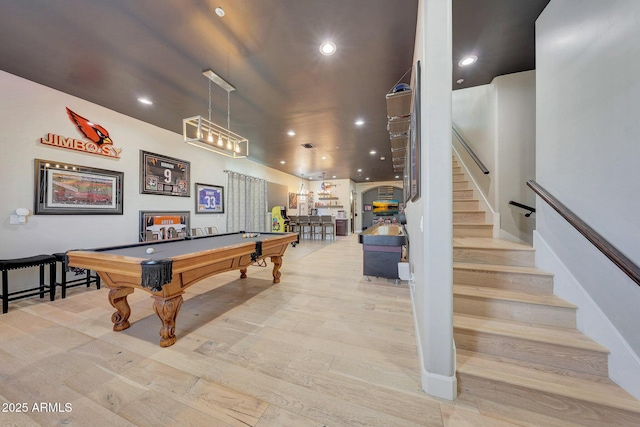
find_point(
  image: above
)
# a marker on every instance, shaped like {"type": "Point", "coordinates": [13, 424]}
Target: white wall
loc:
{"type": "Point", "coordinates": [474, 116]}
{"type": "Point", "coordinates": [516, 151]}
{"type": "Point", "coordinates": [28, 111]}
{"type": "Point", "coordinates": [498, 122]}
{"type": "Point", "coordinates": [588, 99]}
{"type": "Point", "coordinates": [429, 219]}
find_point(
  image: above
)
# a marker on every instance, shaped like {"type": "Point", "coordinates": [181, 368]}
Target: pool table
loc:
{"type": "Point", "coordinates": [169, 267]}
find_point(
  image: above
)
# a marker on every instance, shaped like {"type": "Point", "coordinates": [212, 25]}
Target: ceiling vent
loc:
{"type": "Point", "coordinates": [308, 145]}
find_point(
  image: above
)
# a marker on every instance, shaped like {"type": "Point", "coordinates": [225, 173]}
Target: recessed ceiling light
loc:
{"type": "Point", "coordinates": [282, 162]}
{"type": "Point", "coordinates": [382, 158]}
{"type": "Point", "coordinates": [359, 170]}
{"type": "Point", "coordinates": [328, 48]}
{"type": "Point", "coordinates": [145, 101]}
{"type": "Point", "coordinates": [459, 81]}
{"type": "Point", "coordinates": [333, 176]}
{"type": "Point", "coordinates": [291, 133]}
{"type": "Point", "coordinates": [397, 176]}
{"type": "Point", "coordinates": [468, 60]}
{"type": "Point", "coordinates": [367, 178]}
{"type": "Point", "coordinates": [324, 157]}
{"type": "Point", "coordinates": [372, 152]}
{"type": "Point", "coordinates": [220, 12]}
{"type": "Point", "coordinates": [359, 122]}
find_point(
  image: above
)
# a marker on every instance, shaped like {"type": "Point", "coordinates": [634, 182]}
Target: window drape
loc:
{"type": "Point", "coordinates": [246, 203]}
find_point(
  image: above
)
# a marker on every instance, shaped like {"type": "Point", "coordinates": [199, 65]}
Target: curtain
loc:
{"type": "Point", "coordinates": [246, 203]}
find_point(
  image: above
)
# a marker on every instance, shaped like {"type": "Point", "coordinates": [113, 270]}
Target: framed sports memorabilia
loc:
{"type": "Point", "coordinates": [68, 189]}
{"type": "Point", "coordinates": [209, 198]}
{"type": "Point", "coordinates": [414, 143]}
{"type": "Point", "coordinates": [163, 225]}
{"type": "Point", "coordinates": [164, 175]}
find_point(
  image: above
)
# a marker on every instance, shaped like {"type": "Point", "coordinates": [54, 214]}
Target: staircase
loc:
{"type": "Point", "coordinates": [517, 344]}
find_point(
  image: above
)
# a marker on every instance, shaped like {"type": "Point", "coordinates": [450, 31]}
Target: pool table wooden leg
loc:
{"type": "Point", "coordinates": [118, 299]}
{"type": "Point", "coordinates": [277, 263]}
{"type": "Point", "coordinates": [167, 310]}
{"type": "Point", "coordinates": [243, 273]}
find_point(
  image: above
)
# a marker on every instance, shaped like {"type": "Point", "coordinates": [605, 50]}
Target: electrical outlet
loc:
{"type": "Point", "coordinates": [13, 220]}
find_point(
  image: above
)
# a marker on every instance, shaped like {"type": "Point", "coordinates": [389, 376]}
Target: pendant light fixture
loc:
{"type": "Point", "coordinates": [205, 134]}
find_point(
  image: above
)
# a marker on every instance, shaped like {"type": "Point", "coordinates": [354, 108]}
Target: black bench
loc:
{"type": "Point", "coordinates": [61, 257]}
{"type": "Point", "coordinates": [34, 261]}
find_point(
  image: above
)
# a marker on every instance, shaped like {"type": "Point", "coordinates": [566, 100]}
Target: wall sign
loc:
{"type": "Point", "coordinates": [99, 143]}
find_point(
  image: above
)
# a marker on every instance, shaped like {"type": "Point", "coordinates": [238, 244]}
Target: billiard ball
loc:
{"type": "Point", "coordinates": [150, 250]}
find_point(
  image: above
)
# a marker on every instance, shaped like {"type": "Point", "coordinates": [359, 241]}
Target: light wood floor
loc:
{"type": "Point", "coordinates": [322, 348]}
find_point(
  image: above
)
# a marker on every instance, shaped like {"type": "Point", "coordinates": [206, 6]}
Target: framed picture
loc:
{"type": "Point", "coordinates": [164, 225]}
{"type": "Point", "coordinates": [209, 198]}
{"type": "Point", "coordinates": [293, 200]}
{"type": "Point", "coordinates": [406, 185]}
{"type": "Point", "coordinates": [67, 189]}
{"type": "Point", "coordinates": [414, 140]}
{"type": "Point", "coordinates": [164, 175]}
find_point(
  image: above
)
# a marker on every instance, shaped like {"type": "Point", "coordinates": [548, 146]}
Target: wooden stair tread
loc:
{"type": "Point", "coordinates": [466, 200]}
{"type": "Point", "coordinates": [472, 224]}
{"type": "Point", "coordinates": [500, 268]}
{"type": "Point", "coordinates": [488, 243]}
{"type": "Point", "coordinates": [475, 211]}
{"type": "Point", "coordinates": [531, 332]}
{"type": "Point", "coordinates": [499, 369]}
{"type": "Point", "coordinates": [506, 295]}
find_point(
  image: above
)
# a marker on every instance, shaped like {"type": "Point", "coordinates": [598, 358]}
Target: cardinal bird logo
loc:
{"type": "Point", "coordinates": [92, 131]}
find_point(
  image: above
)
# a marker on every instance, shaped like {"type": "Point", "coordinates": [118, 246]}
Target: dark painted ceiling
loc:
{"type": "Point", "coordinates": [112, 52]}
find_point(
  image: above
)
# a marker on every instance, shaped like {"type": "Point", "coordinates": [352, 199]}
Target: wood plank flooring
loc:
{"type": "Point", "coordinates": [324, 347]}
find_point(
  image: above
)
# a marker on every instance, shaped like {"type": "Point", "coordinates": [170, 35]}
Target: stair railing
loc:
{"type": "Point", "coordinates": [473, 155]}
{"type": "Point", "coordinates": [529, 209]}
{"type": "Point", "coordinates": [610, 251]}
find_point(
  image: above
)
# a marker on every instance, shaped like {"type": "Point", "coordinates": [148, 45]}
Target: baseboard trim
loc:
{"type": "Point", "coordinates": [440, 386]}
{"type": "Point", "coordinates": [624, 364]}
{"type": "Point", "coordinates": [435, 385]}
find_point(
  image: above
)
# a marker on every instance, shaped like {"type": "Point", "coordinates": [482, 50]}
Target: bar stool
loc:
{"type": "Point", "coordinates": [327, 226]}
{"type": "Point", "coordinates": [293, 223]}
{"type": "Point", "coordinates": [315, 225]}
{"type": "Point", "coordinates": [303, 224]}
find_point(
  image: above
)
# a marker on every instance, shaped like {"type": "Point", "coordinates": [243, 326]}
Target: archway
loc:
{"type": "Point", "coordinates": [385, 192]}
